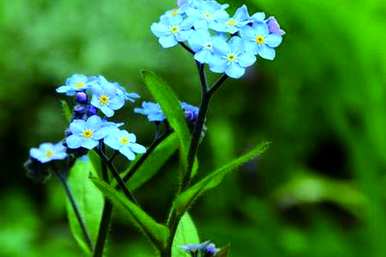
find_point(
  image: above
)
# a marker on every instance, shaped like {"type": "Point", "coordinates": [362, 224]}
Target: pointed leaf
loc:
{"type": "Point", "coordinates": [66, 111]}
{"type": "Point", "coordinates": [186, 234]}
{"type": "Point", "coordinates": [89, 201]}
{"type": "Point", "coordinates": [171, 107]}
{"type": "Point", "coordinates": [186, 198]}
{"type": "Point", "coordinates": [154, 162]}
{"type": "Point", "coordinates": [157, 233]}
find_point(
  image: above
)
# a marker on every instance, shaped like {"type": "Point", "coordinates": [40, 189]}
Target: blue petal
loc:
{"type": "Point", "coordinates": [258, 17]}
{"type": "Point", "coordinates": [261, 29]}
{"type": "Point", "coordinates": [90, 144]}
{"type": "Point", "coordinates": [241, 13]}
{"type": "Point", "coordinates": [235, 71]}
{"type": "Point", "coordinates": [107, 111]}
{"type": "Point", "coordinates": [74, 141]}
{"type": "Point", "coordinates": [273, 40]}
{"type": "Point", "coordinates": [246, 60]}
{"type": "Point", "coordinates": [168, 41]}
{"type": "Point", "coordinates": [127, 152]}
{"type": "Point", "coordinates": [203, 56]}
{"type": "Point", "coordinates": [236, 44]}
{"type": "Point", "coordinates": [112, 142]}
{"type": "Point", "coordinates": [137, 148]}
{"type": "Point", "coordinates": [267, 52]}
{"type": "Point", "coordinates": [63, 89]}
{"type": "Point", "coordinates": [159, 30]}
{"type": "Point", "coordinates": [117, 103]}
{"type": "Point", "coordinates": [77, 126]}
{"type": "Point", "coordinates": [94, 122]}
{"type": "Point", "coordinates": [221, 46]}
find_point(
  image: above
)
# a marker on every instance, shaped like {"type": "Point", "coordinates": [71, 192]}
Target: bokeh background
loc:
{"type": "Point", "coordinates": [318, 191]}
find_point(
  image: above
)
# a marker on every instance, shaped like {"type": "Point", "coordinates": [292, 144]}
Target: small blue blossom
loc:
{"type": "Point", "coordinates": [172, 29]}
{"type": "Point", "coordinates": [125, 143]}
{"type": "Point", "coordinates": [48, 152]}
{"type": "Point", "coordinates": [87, 133]}
{"type": "Point", "coordinates": [191, 112]}
{"type": "Point", "coordinates": [231, 57]}
{"type": "Point", "coordinates": [260, 41]}
{"type": "Point", "coordinates": [233, 24]}
{"type": "Point", "coordinates": [201, 42]}
{"type": "Point", "coordinates": [211, 250]}
{"type": "Point", "coordinates": [74, 84]}
{"type": "Point", "coordinates": [106, 97]}
{"type": "Point", "coordinates": [274, 27]}
{"type": "Point", "coordinates": [205, 14]}
{"type": "Point", "coordinates": [207, 249]}
{"type": "Point", "coordinates": [131, 97]}
{"type": "Point", "coordinates": [152, 111]}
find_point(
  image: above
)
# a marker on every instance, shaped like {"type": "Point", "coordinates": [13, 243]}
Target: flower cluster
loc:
{"type": "Point", "coordinates": [97, 100]}
{"type": "Point", "coordinates": [154, 113]}
{"type": "Point", "coordinates": [228, 44]}
{"type": "Point", "coordinates": [206, 249]}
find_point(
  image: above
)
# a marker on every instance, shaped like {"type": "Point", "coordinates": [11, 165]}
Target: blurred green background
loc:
{"type": "Point", "coordinates": [318, 191]}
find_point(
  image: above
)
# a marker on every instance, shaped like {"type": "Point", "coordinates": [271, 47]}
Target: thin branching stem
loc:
{"type": "Point", "coordinates": [74, 205]}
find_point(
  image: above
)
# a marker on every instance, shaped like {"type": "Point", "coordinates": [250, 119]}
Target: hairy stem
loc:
{"type": "Point", "coordinates": [75, 208]}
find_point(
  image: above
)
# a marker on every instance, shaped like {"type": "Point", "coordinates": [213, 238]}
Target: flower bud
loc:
{"type": "Point", "coordinates": [91, 111]}
{"type": "Point", "coordinates": [81, 97]}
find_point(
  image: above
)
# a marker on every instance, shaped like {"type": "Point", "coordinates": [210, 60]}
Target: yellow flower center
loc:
{"type": "Point", "coordinates": [231, 57]}
{"type": "Point", "coordinates": [232, 22]}
{"type": "Point", "coordinates": [80, 85]}
{"type": "Point", "coordinates": [88, 133]}
{"type": "Point", "coordinates": [49, 153]}
{"type": "Point", "coordinates": [260, 39]}
{"type": "Point", "coordinates": [174, 29]}
{"type": "Point", "coordinates": [104, 99]}
{"type": "Point", "coordinates": [175, 12]}
{"type": "Point", "coordinates": [124, 140]}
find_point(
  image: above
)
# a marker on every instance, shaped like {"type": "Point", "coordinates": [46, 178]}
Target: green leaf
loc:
{"type": "Point", "coordinates": [224, 252]}
{"type": "Point", "coordinates": [96, 163]}
{"type": "Point", "coordinates": [171, 107]}
{"type": "Point", "coordinates": [66, 111]}
{"type": "Point", "coordinates": [154, 162]}
{"type": "Point", "coordinates": [186, 198]}
{"type": "Point", "coordinates": [186, 234]}
{"type": "Point", "coordinates": [89, 200]}
{"type": "Point", "coordinates": [157, 233]}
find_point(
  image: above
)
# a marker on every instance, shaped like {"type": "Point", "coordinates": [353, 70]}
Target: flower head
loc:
{"type": "Point", "coordinates": [191, 112]}
{"type": "Point", "coordinates": [74, 84]}
{"type": "Point", "coordinates": [231, 57]}
{"type": "Point", "coordinates": [259, 40]}
{"type": "Point", "coordinates": [172, 29]}
{"type": "Point", "coordinates": [152, 111]}
{"type": "Point", "coordinates": [125, 143]}
{"type": "Point", "coordinates": [87, 133]}
{"type": "Point", "coordinates": [107, 97]}
{"type": "Point", "coordinates": [233, 24]}
{"type": "Point", "coordinates": [205, 13]}
{"type": "Point", "coordinates": [47, 152]}
{"type": "Point", "coordinates": [201, 43]}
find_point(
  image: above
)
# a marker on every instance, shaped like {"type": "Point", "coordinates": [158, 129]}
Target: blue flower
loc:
{"type": "Point", "coordinates": [274, 27]}
{"type": "Point", "coordinates": [191, 112]}
{"type": "Point", "coordinates": [233, 24]}
{"type": "Point", "coordinates": [231, 57]}
{"type": "Point", "coordinates": [74, 84]}
{"type": "Point", "coordinates": [260, 41]}
{"type": "Point", "coordinates": [125, 143]}
{"type": "Point", "coordinates": [48, 152]}
{"type": "Point", "coordinates": [131, 97]}
{"type": "Point", "coordinates": [87, 134]}
{"type": "Point", "coordinates": [107, 97]}
{"type": "Point", "coordinates": [171, 30]}
{"type": "Point", "coordinates": [152, 111]}
{"type": "Point", "coordinates": [205, 13]}
{"type": "Point", "coordinates": [207, 248]}
{"type": "Point", "coordinates": [201, 42]}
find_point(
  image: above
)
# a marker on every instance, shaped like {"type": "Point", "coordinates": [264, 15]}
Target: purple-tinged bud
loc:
{"type": "Point", "coordinates": [210, 250]}
{"type": "Point", "coordinates": [81, 97]}
{"type": "Point", "coordinates": [79, 109]}
{"type": "Point", "coordinates": [274, 27]}
{"type": "Point", "coordinates": [91, 111]}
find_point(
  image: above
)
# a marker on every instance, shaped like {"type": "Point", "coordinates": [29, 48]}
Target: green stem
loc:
{"type": "Point", "coordinates": [105, 220]}
{"type": "Point", "coordinates": [75, 208]}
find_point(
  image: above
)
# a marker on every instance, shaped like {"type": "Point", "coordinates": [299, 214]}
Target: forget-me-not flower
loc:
{"type": "Point", "coordinates": [106, 97]}
{"type": "Point", "coordinates": [191, 112]}
{"type": "Point", "coordinates": [48, 152]}
{"type": "Point", "coordinates": [206, 248]}
{"type": "Point", "coordinates": [74, 84]}
{"type": "Point", "coordinates": [231, 57]}
{"type": "Point", "coordinates": [87, 133]}
{"type": "Point", "coordinates": [233, 24]}
{"type": "Point", "coordinates": [152, 111]}
{"type": "Point", "coordinates": [260, 41]}
{"type": "Point", "coordinates": [205, 13]}
{"type": "Point", "coordinates": [124, 142]}
{"type": "Point", "coordinates": [201, 42]}
{"type": "Point", "coordinates": [172, 29]}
